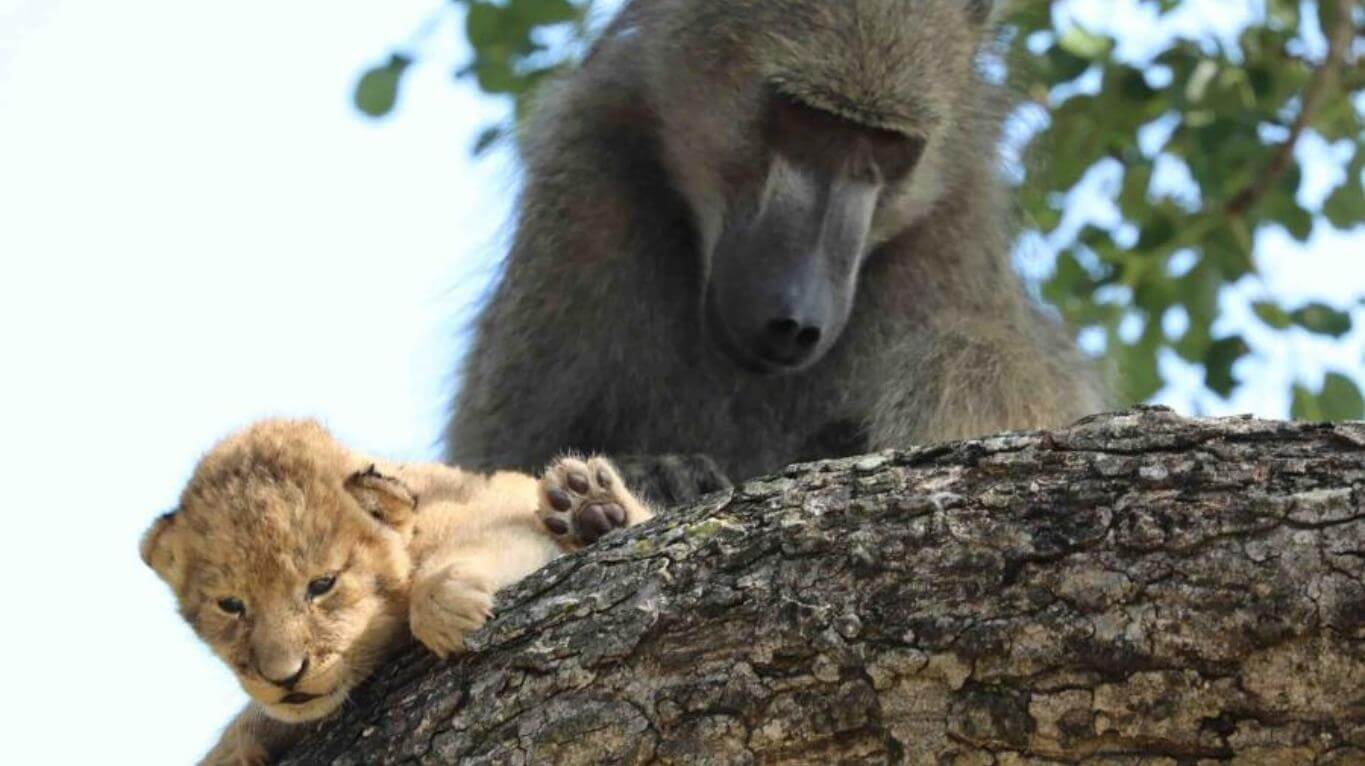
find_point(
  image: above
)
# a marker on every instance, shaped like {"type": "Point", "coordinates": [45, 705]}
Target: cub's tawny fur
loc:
{"type": "Point", "coordinates": [765, 230]}
{"type": "Point", "coordinates": [303, 564]}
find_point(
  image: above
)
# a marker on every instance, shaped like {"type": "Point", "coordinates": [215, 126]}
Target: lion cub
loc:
{"type": "Point", "coordinates": [302, 564]}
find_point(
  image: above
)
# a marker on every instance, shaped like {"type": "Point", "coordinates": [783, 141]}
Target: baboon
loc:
{"type": "Point", "coordinates": [764, 231]}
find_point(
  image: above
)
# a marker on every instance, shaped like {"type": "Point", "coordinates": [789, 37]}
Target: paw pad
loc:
{"type": "Point", "coordinates": [583, 500]}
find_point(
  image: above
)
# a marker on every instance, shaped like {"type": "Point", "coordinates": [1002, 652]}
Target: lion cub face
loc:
{"type": "Point", "coordinates": [289, 559]}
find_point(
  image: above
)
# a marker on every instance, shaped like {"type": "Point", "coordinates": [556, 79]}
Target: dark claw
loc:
{"type": "Point", "coordinates": [557, 525]}
{"type": "Point", "coordinates": [578, 483]}
{"type": "Point", "coordinates": [559, 499]}
{"type": "Point", "coordinates": [615, 513]}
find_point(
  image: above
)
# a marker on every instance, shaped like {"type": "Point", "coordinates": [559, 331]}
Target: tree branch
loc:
{"type": "Point", "coordinates": [1339, 41]}
{"type": "Point", "coordinates": [1138, 588]}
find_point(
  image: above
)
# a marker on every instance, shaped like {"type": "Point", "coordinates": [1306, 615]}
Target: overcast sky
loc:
{"type": "Point", "coordinates": [197, 230]}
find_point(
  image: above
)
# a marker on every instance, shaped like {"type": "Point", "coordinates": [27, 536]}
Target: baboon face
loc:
{"type": "Point", "coordinates": [784, 267]}
{"type": "Point", "coordinates": [800, 133]}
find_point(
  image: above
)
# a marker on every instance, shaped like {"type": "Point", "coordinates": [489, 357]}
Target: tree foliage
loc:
{"type": "Point", "coordinates": [1196, 141]}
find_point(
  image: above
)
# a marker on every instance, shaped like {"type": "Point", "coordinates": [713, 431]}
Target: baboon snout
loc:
{"type": "Point", "coordinates": [775, 320]}
{"type": "Point", "coordinates": [785, 264]}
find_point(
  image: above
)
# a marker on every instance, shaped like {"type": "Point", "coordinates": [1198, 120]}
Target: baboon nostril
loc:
{"type": "Point", "coordinates": [788, 340]}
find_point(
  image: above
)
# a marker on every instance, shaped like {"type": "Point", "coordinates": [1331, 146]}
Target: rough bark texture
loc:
{"type": "Point", "coordinates": [1137, 589]}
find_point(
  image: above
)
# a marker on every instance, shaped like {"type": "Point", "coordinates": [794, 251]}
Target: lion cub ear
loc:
{"type": "Point", "coordinates": [383, 497]}
{"type": "Point", "coordinates": [160, 549]}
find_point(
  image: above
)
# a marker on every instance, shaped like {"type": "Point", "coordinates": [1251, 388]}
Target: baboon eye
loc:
{"type": "Point", "coordinates": [233, 606]}
{"type": "Point", "coordinates": [321, 585]}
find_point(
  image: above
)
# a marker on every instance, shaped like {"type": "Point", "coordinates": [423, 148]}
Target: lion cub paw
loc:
{"type": "Point", "coordinates": [580, 501]}
{"type": "Point", "coordinates": [447, 606]}
{"type": "Point", "coordinates": [245, 753]}
{"type": "Point", "coordinates": [239, 746]}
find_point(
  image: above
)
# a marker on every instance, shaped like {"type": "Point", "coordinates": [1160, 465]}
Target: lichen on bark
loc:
{"type": "Point", "coordinates": [1139, 588]}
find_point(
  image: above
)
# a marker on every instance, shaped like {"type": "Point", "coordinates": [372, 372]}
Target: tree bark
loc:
{"type": "Point", "coordinates": [1139, 588]}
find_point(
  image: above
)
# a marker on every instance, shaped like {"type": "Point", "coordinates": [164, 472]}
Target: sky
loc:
{"type": "Point", "coordinates": [197, 230]}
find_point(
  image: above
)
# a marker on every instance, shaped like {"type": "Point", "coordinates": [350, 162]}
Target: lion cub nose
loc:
{"type": "Point", "coordinates": [282, 669]}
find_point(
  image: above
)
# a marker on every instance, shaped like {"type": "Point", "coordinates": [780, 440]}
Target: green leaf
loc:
{"type": "Point", "coordinates": [483, 24]}
{"type": "Point", "coordinates": [1156, 233]}
{"type": "Point", "coordinates": [1046, 217]}
{"type": "Point", "coordinates": [1340, 398]}
{"type": "Point", "coordinates": [1222, 355]}
{"type": "Point", "coordinates": [1133, 197]}
{"type": "Point", "coordinates": [1029, 17]}
{"type": "Point", "coordinates": [1286, 12]}
{"type": "Point", "coordinates": [497, 76]}
{"type": "Point", "coordinates": [1304, 405]}
{"type": "Point", "coordinates": [1322, 319]}
{"type": "Point", "coordinates": [1085, 44]}
{"type": "Point", "coordinates": [1139, 373]}
{"type": "Point", "coordinates": [1193, 346]}
{"type": "Point", "coordinates": [1329, 11]}
{"type": "Point", "coordinates": [1136, 362]}
{"type": "Point", "coordinates": [1273, 315]}
{"type": "Point", "coordinates": [377, 91]}
{"type": "Point", "coordinates": [487, 138]}
{"type": "Point", "coordinates": [1346, 206]}
{"type": "Point", "coordinates": [1069, 279]}
{"type": "Point", "coordinates": [1063, 65]}
{"type": "Point", "coordinates": [1228, 248]}
{"type": "Point", "coordinates": [1283, 208]}
{"type": "Point", "coordinates": [544, 12]}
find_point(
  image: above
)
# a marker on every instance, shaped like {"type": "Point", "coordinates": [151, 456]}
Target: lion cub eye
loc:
{"type": "Point", "coordinates": [321, 586]}
{"type": "Point", "coordinates": [232, 606]}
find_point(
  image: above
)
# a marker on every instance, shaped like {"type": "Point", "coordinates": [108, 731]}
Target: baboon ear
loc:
{"type": "Point", "coordinates": [160, 549]}
{"type": "Point", "coordinates": [981, 11]}
{"type": "Point", "coordinates": [384, 497]}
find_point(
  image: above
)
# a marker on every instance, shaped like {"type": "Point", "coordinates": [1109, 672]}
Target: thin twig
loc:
{"type": "Point", "coordinates": [1339, 41]}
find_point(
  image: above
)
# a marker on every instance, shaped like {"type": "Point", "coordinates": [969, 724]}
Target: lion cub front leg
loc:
{"type": "Point", "coordinates": [448, 604]}
{"type": "Point", "coordinates": [582, 500]}
{"type": "Point", "coordinates": [511, 527]}
{"type": "Point", "coordinates": [253, 739]}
